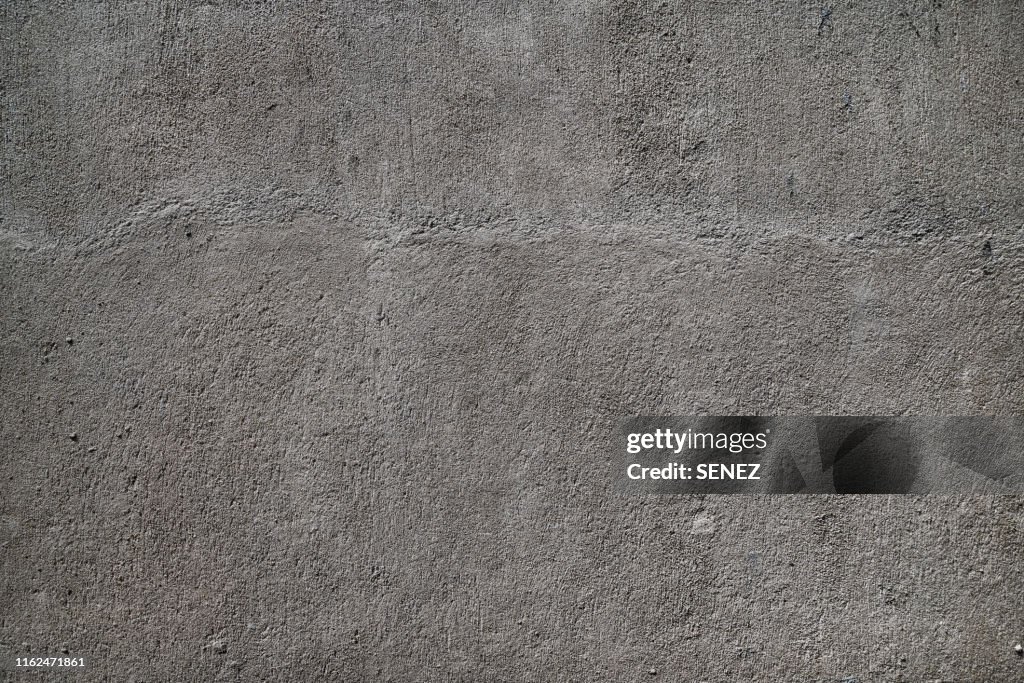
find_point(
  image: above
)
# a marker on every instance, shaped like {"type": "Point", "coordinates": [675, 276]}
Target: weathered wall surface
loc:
{"type": "Point", "coordinates": [316, 317]}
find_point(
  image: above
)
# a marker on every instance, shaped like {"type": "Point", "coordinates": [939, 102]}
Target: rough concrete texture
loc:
{"type": "Point", "coordinates": [317, 316]}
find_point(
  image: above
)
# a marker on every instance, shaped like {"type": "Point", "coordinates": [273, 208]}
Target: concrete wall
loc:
{"type": "Point", "coordinates": [317, 316]}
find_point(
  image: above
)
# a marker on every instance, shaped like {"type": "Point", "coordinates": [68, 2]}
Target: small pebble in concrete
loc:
{"type": "Point", "coordinates": [73, 436]}
{"type": "Point", "coordinates": [1019, 649]}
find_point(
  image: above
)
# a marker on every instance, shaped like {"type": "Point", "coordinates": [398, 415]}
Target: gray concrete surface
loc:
{"type": "Point", "coordinates": [316, 317]}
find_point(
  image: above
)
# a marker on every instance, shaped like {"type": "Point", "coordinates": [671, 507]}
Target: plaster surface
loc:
{"type": "Point", "coordinates": [317, 316]}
